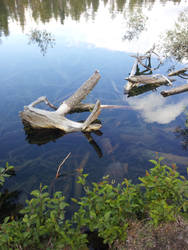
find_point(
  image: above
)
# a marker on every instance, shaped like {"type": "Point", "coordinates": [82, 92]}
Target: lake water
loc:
{"type": "Point", "coordinates": [82, 36]}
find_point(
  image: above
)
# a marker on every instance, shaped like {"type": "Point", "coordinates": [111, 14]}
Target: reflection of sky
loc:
{"type": "Point", "coordinates": [107, 32]}
{"type": "Point", "coordinates": [155, 108]}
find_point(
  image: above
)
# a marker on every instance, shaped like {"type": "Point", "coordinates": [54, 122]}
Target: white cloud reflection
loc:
{"type": "Point", "coordinates": [105, 31]}
{"type": "Point", "coordinates": [154, 108]}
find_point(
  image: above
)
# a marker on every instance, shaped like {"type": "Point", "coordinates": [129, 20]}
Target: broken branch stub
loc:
{"type": "Point", "coordinates": [40, 118]}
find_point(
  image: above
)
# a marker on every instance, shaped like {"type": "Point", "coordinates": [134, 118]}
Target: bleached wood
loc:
{"type": "Point", "coordinates": [40, 118]}
{"type": "Point", "coordinates": [178, 72]}
{"type": "Point", "coordinates": [175, 91]}
{"type": "Point", "coordinates": [154, 80]}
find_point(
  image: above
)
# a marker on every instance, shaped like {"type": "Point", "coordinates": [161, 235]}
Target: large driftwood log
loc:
{"type": "Point", "coordinates": [175, 91]}
{"type": "Point", "coordinates": [39, 118]}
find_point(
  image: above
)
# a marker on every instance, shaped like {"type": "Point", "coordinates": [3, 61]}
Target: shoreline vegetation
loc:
{"type": "Point", "coordinates": [150, 215]}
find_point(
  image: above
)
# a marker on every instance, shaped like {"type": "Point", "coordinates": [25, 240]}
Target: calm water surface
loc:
{"type": "Point", "coordinates": [79, 37]}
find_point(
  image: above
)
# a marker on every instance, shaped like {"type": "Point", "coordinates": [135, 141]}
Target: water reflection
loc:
{"type": "Point", "coordinates": [127, 141]}
{"type": "Point", "coordinates": [136, 23]}
{"type": "Point", "coordinates": [42, 38]}
{"type": "Point", "coordinates": [43, 136]}
{"type": "Point", "coordinates": [182, 133]}
{"type": "Point", "coordinates": [158, 109]}
{"type": "Point", "coordinates": [46, 10]}
{"type": "Point", "coordinates": [175, 40]}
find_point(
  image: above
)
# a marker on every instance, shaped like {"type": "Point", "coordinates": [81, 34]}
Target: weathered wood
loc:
{"type": "Point", "coordinates": [153, 80]}
{"type": "Point", "coordinates": [178, 72]}
{"type": "Point", "coordinates": [39, 118]}
{"type": "Point", "coordinates": [80, 94]}
{"type": "Point", "coordinates": [175, 91]}
{"type": "Point", "coordinates": [129, 84]}
{"type": "Point", "coordinates": [135, 70]}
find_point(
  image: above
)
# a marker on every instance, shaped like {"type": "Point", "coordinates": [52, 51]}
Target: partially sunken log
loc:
{"type": "Point", "coordinates": [178, 72]}
{"type": "Point", "coordinates": [39, 118]}
{"type": "Point", "coordinates": [150, 80]}
{"type": "Point", "coordinates": [175, 91]}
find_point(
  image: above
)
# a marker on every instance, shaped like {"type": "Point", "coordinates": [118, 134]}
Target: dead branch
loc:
{"type": "Point", "coordinates": [61, 164]}
{"type": "Point", "coordinates": [135, 69]}
{"type": "Point", "coordinates": [178, 72]}
{"type": "Point", "coordinates": [40, 118]}
{"type": "Point", "coordinates": [175, 91]}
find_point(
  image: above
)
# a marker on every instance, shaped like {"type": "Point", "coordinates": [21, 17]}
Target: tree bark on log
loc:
{"type": "Point", "coordinates": [175, 91]}
{"type": "Point", "coordinates": [150, 80]}
{"type": "Point", "coordinates": [178, 72]}
{"type": "Point", "coordinates": [39, 118]}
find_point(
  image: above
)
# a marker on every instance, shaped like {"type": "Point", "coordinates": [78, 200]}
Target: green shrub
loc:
{"type": "Point", "coordinates": [4, 173]}
{"type": "Point", "coordinates": [106, 208]}
{"type": "Point", "coordinates": [43, 225]}
{"type": "Point", "coordinates": [165, 193]}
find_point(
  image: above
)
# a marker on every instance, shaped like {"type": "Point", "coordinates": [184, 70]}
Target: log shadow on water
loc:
{"type": "Point", "coordinates": [135, 91]}
{"type": "Point", "coordinates": [43, 136]}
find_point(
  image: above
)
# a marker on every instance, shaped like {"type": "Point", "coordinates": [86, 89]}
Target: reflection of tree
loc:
{"type": "Point", "coordinates": [183, 134]}
{"type": "Point", "coordinates": [43, 39]}
{"type": "Point", "coordinates": [175, 42]}
{"type": "Point", "coordinates": [60, 9]}
{"type": "Point", "coordinates": [136, 23]}
{"type": "Point", "coordinates": [3, 19]}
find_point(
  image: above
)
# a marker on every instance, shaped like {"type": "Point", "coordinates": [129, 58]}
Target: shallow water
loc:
{"type": "Point", "coordinates": [82, 38]}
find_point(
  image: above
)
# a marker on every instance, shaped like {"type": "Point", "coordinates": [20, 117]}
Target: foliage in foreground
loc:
{"type": "Point", "coordinates": [106, 208]}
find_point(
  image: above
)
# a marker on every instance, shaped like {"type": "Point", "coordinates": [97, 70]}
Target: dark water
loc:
{"type": "Point", "coordinates": [78, 38]}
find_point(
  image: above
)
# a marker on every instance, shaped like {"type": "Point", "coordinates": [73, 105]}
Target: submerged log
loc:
{"type": "Point", "coordinates": [40, 118]}
{"type": "Point", "coordinates": [175, 91]}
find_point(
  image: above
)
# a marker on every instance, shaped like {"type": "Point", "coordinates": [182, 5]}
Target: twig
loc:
{"type": "Point", "coordinates": [61, 164]}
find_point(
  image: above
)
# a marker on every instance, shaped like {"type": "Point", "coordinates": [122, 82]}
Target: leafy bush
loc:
{"type": "Point", "coordinates": [4, 173]}
{"type": "Point", "coordinates": [106, 208]}
{"type": "Point", "coordinates": [165, 193]}
{"type": "Point", "coordinates": [43, 225]}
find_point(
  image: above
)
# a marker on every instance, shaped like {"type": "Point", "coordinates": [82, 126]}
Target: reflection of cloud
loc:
{"type": "Point", "coordinates": [154, 108]}
{"type": "Point", "coordinates": [107, 32]}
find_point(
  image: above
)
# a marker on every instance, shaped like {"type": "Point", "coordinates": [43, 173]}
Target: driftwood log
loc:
{"type": "Point", "coordinates": [40, 118]}
{"type": "Point", "coordinates": [175, 91]}
{"type": "Point", "coordinates": [150, 80]}
{"type": "Point", "coordinates": [178, 72]}
{"type": "Point", "coordinates": [136, 77]}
